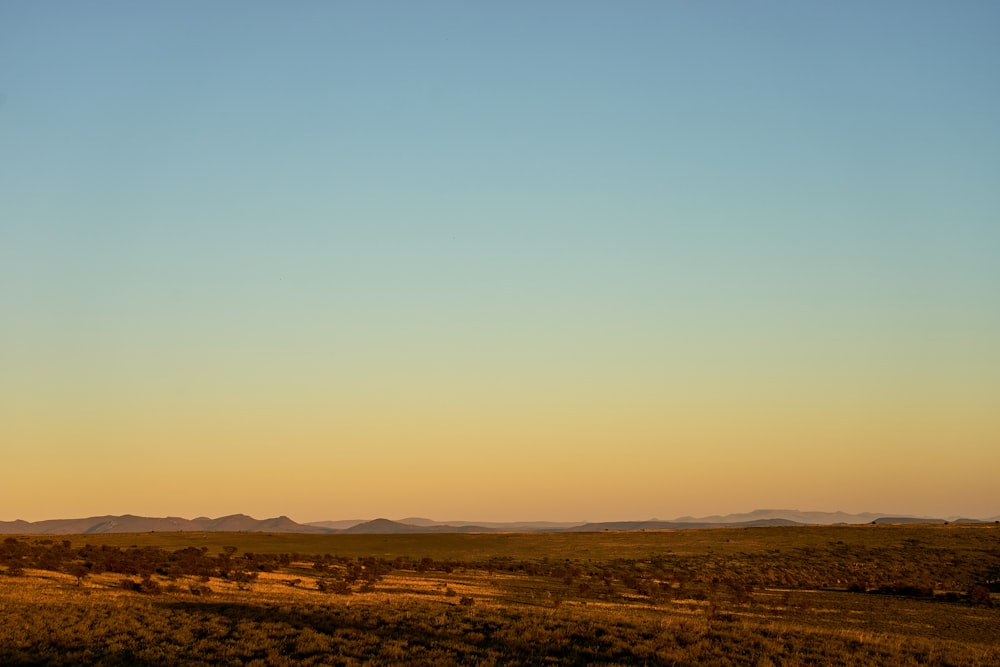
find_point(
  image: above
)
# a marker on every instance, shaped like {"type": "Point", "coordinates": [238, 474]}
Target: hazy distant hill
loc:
{"type": "Point", "coordinates": [675, 525]}
{"type": "Point", "coordinates": [387, 527]}
{"type": "Point", "coordinates": [242, 523]}
{"type": "Point", "coordinates": [820, 518]}
{"type": "Point", "coordinates": [336, 525]}
{"type": "Point", "coordinates": [504, 526]}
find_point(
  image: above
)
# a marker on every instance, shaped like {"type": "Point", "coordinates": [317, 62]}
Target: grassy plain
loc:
{"type": "Point", "coordinates": [839, 595]}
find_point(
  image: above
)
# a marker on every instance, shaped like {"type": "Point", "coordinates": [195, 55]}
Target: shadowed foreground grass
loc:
{"type": "Point", "coordinates": [913, 595]}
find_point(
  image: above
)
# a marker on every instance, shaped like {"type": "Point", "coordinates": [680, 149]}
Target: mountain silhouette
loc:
{"type": "Point", "coordinates": [129, 523]}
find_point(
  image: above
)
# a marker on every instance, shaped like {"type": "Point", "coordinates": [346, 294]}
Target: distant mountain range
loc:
{"type": "Point", "coordinates": [127, 523]}
{"type": "Point", "coordinates": [242, 523]}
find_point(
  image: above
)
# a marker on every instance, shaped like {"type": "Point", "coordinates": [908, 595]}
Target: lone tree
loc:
{"type": "Point", "coordinates": [78, 570]}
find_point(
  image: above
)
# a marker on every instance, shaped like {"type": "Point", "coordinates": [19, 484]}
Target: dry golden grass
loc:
{"type": "Point", "coordinates": [662, 599]}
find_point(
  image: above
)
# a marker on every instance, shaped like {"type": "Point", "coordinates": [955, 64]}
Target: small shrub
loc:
{"type": "Point", "coordinates": [907, 590]}
{"type": "Point", "coordinates": [148, 586]}
{"type": "Point", "coordinates": [78, 570]}
{"type": "Point", "coordinates": [980, 595]}
{"type": "Point", "coordinates": [338, 586]}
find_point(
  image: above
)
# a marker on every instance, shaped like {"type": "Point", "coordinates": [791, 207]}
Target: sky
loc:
{"type": "Point", "coordinates": [499, 260]}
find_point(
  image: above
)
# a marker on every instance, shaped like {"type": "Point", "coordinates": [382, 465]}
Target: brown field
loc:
{"type": "Point", "coordinates": [837, 595]}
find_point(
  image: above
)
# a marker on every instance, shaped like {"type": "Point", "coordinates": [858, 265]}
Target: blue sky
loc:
{"type": "Point", "coordinates": [251, 228]}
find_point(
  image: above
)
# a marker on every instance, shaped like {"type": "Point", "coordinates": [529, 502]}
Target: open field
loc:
{"type": "Point", "coordinates": [842, 595]}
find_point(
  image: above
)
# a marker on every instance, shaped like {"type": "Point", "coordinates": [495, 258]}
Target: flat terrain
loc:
{"type": "Point", "coordinates": [841, 595]}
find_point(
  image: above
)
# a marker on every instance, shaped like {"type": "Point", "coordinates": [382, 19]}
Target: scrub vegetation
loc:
{"type": "Point", "coordinates": [841, 595]}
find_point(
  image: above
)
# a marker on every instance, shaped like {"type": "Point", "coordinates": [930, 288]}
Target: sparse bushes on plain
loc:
{"type": "Point", "coordinates": [683, 606]}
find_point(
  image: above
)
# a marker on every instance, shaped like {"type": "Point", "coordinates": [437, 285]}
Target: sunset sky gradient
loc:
{"type": "Point", "coordinates": [499, 260]}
